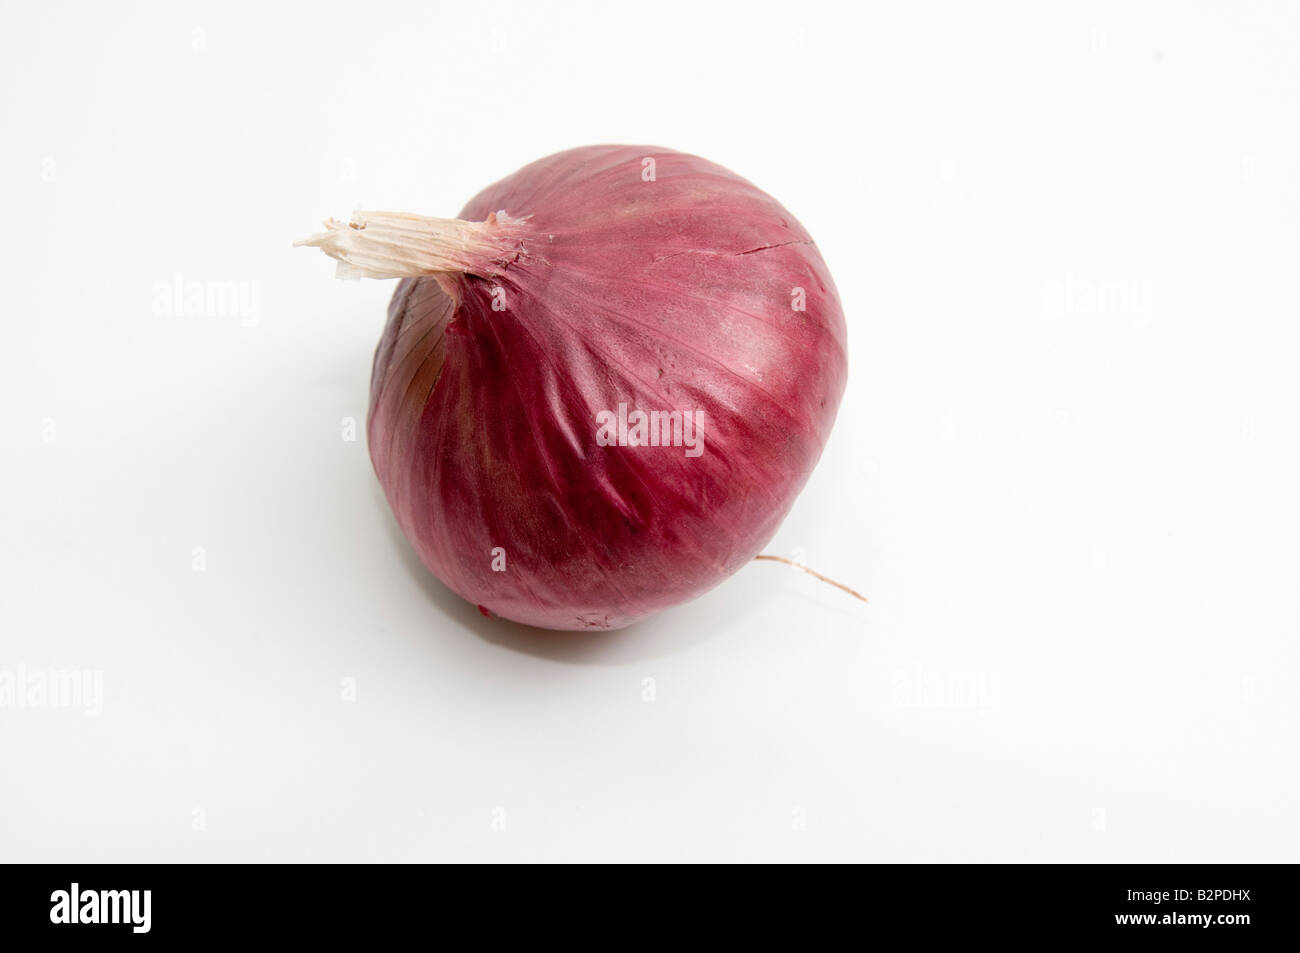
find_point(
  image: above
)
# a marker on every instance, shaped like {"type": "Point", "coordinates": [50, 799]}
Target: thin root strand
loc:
{"type": "Point", "coordinates": [837, 585]}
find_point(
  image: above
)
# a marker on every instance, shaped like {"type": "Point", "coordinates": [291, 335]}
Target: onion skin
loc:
{"type": "Point", "coordinates": [668, 294]}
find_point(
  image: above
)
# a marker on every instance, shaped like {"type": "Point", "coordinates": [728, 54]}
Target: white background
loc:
{"type": "Point", "coordinates": [1065, 471]}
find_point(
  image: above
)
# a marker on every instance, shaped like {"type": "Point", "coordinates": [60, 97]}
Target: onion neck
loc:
{"type": "Point", "coordinates": [398, 245]}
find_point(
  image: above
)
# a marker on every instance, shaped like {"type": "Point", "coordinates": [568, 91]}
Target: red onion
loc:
{"type": "Point", "coordinates": [601, 388]}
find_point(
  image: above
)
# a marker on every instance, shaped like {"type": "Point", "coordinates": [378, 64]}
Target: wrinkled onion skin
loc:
{"type": "Point", "coordinates": [672, 294]}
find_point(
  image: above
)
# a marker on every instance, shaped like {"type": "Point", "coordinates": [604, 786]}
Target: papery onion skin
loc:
{"type": "Point", "coordinates": [676, 293]}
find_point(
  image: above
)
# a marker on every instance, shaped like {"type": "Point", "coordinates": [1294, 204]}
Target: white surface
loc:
{"type": "Point", "coordinates": [1064, 472]}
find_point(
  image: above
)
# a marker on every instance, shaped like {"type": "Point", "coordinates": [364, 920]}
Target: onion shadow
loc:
{"type": "Point", "coordinates": [667, 633]}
